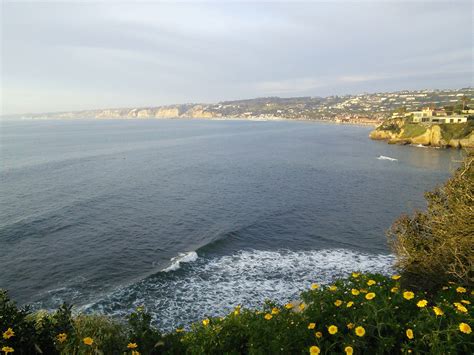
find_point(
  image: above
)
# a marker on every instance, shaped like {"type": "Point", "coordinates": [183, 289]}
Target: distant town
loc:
{"type": "Point", "coordinates": [436, 106]}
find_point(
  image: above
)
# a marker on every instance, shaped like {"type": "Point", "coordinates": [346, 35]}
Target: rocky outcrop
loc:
{"type": "Point", "coordinates": [399, 132]}
{"type": "Point", "coordinates": [167, 112]}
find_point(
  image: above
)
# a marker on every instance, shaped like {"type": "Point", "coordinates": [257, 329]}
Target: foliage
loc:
{"type": "Point", "coordinates": [392, 125]}
{"type": "Point", "coordinates": [32, 333]}
{"type": "Point", "coordinates": [413, 130]}
{"type": "Point", "coordinates": [369, 313]}
{"type": "Point", "coordinates": [456, 131]}
{"type": "Point", "coordinates": [437, 246]}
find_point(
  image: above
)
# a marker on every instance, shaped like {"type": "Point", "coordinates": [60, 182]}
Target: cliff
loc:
{"type": "Point", "coordinates": [399, 131]}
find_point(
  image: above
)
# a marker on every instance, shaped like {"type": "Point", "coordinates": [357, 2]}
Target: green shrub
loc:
{"type": "Point", "coordinates": [456, 130]}
{"type": "Point", "coordinates": [437, 246]}
{"type": "Point", "coordinates": [369, 313]}
{"type": "Point", "coordinates": [392, 125]}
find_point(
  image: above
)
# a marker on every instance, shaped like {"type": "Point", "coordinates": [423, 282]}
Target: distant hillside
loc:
{"type": "Point", "coordinates": [368, 108]}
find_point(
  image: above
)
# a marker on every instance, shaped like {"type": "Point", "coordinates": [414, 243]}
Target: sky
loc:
{"type": "Point", "coordinates": [65, 55]}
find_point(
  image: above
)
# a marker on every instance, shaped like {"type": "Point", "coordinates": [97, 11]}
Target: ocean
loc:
{"type": "Point", "coordinates": [191, 217]}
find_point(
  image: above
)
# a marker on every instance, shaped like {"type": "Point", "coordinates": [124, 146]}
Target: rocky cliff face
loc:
{"type": "Point", "coordinates": [456, 135]}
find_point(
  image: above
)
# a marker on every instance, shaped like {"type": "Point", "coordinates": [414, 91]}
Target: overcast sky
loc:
{"type": "Point", "coordinates": [96, 54]}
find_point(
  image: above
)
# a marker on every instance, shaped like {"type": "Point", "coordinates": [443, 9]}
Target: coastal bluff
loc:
{"type": "Point", "coordinates": [400, 131]}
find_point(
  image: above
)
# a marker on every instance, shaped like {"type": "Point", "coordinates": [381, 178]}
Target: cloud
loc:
{"type": "Point", "coordinates": [153, 53]}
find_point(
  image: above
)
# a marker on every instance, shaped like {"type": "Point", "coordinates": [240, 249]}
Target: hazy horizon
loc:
{"type": "Point", "coordinates": [65, 56]}
{"type": "Point", "coordinates": [231, 100]}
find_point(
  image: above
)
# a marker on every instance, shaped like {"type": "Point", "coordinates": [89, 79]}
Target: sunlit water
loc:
{"type": "Point", "coordinates": [92, 212]}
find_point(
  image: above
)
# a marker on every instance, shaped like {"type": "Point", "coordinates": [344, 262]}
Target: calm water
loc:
{"type": "Point", "coordinates": [193, 217]}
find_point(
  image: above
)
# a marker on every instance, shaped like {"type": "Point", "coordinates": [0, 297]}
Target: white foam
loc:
{"type": "Point", "coordinates": [181, 258]}
{"type": "Point", "coordinates": [383, 157]}
{"type": "Point", "coordinates": [212, 287]}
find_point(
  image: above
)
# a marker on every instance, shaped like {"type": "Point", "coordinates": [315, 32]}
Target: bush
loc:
{"type": "Point", "coordinates": [369, 313]}
{"type": "Point", "coordinates": [437, 246]}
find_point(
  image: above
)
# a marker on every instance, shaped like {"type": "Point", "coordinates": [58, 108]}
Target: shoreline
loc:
{"type": "Point", "coordinates": [22, 119]}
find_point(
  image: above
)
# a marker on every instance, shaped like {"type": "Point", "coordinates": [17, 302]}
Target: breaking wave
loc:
{"type": "Point", "coordinates": [181, 258]}
{"type": "Point", "coordinates": [383, 157]}
{"type": "Point", "coordinates": [187, 292]}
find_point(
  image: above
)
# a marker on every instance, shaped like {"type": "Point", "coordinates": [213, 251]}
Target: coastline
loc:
{"type": "Point", "coordinates": [252, 119]}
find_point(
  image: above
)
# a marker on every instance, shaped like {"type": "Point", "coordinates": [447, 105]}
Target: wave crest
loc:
{"type": "Point", "coordinates": [212, 287]}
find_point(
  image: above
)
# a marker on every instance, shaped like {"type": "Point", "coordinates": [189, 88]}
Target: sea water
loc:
{"type": "Point", "coordinates": [190, 217]}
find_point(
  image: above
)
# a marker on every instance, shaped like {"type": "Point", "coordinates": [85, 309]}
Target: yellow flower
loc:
{"type": "Point", "coordinates": [61, 337]}
{"type": "Point", "coordinates": [237, 310]}
{"type": "Point", "coordinates": [7, 349]}
{"type": "Point", "coordinates": [333, 288]}
{"type": "Point", "coordinates": [8, 333]}
{"type": "Point", "coordinates": [205, 322]}
{"type": "Point", "coordinates": [349, 304]}
{"type": "Point", "coordinates": [311, 325]}
{"type": "Point", "coordinates": [349, 350]}
{"type": "Point", "coordinates": [289, 306]}
{"type": "Point", "coordinates": [135, 352]}
{"type": "Point", "coordinates": [371, 282]}
{"type": "Point", "coordinates": [460, 307]}
{"type": "Point", "coordinates": [275, 310]}
{"type": "Point", "coordinates": [314, 350]}
{"type": "Point", "coordinates": [355, 292]}
{"type": "Point", "coordinates": [88, 341]}
{"type": "Point", "coordinates": [140, 308]}
{"type": "Point", "coordinates": [465, 328]}
{"type": "Point", "coordinates": [408, 295]}
{"type": "Point", "coordinates": [302, 306]}
{"type": "Point", "coordinates": [396, 277]}
{"type": "Point", "coordinates": [438, 311]}
{"type": "Point", "coordinates": [350, 325]}
{"type": "Point", "coordinates": [363, 290]}
{"type": "Point", "coordinates": [314, 286]}
{"type": "Point", "coordinates": [465, 302]}
{"type": "Point", "coordinates": [132, 346]}
{"type": "Point", "coordinates": [268, 316]}
{"type": "Point", "coordinates": [332, 329]}
{"type": "Point", "coordinates": [422, 303]}
{"type": "Point", "coordinates": [318, 335]}
{"type": "Point", "coordinates": [409, 333]}
{"type": "Point", "coordinates": [179, 330]}
{"type": "Point", "coordinates": [355, 275]}
{"type": "Point", "coordinates": [360, 331]}
{"type": "Point", "coordinates": [370, 296]}
{"type": "Point", "coordinates": [460, 289]}
{"type": "Point", "coordinates": [394, 289]}
{"type": "Point", "coordinates": [338, 303]}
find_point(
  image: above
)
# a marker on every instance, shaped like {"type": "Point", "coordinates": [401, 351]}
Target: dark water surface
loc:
{"type": "Point", "coordinates": [92, 212]}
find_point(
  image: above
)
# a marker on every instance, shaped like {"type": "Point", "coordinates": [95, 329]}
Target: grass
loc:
{"type": "Point", "coordinates": [411, 130]}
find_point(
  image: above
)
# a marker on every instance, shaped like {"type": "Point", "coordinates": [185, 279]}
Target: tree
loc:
{"type": "Point", "coordinates": [465, 100]}
{"type": "Point", "coordinates": [437, 246]}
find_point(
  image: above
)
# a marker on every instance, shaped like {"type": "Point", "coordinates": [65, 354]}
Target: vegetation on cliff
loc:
{"type": "Point", "coordinates": [456, 135]}
{"type": "Point", "coordinates": [437, 245]}
{"type": "Point", "coordinates": [359, 314]}
{"type": "Point", "coordinates": [425, 309]}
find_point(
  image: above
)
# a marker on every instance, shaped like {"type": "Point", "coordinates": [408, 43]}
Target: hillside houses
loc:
{"type": "Point", "coordinates": [433, 115]}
